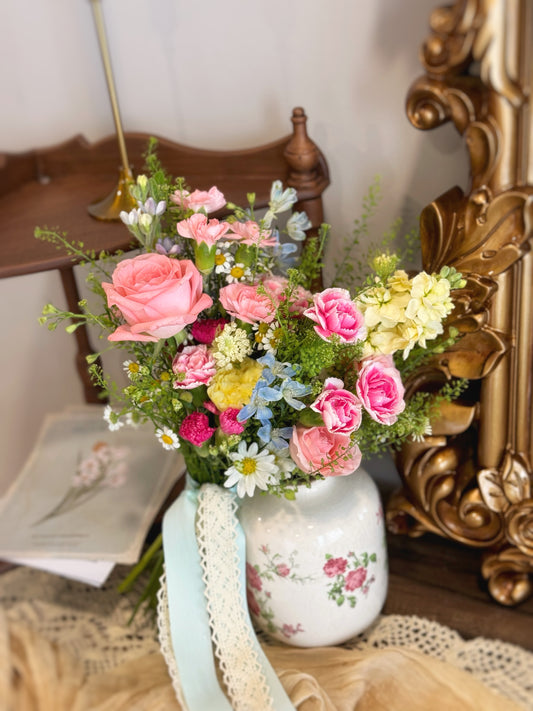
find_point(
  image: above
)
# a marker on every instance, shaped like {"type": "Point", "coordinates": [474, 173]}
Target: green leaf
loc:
{"type": "Point", "coordinates": [340, 600]}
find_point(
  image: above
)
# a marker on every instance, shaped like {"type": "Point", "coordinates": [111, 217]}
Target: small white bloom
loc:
{"type": "Point", "coordinates": [113, 420]}
{"type": "Point", "coordinates": [223, 261]}
{"type": "Point", "coordinates": [231, 346]}
{"type": "Point", "coordinates": [168, 438]}
{"type": "Point", "coordinates": [238, 272]}
{"type": "Point", "coordinates": [251, 469]}
{"type": "Point", "coordinates": [130, 367]}
{"type": "Point", "coordinates": [297, 223]}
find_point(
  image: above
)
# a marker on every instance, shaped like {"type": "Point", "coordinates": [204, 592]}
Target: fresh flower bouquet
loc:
{"type": "Point", "coordinates": [265, 381]}
{"type": "Point", "coordinates": [260, 377]}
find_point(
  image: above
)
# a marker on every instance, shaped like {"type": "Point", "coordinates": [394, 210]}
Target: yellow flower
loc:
{"type": "Point", "coordinates": [399, 281]}
{"type": "Point", "coordinates": [232, 387]}
{"type": "Point", "coordinates": [430, 299]}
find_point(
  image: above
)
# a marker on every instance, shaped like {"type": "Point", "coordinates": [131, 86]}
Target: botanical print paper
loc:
{"type": "Point", "coordinates": [87, 492]}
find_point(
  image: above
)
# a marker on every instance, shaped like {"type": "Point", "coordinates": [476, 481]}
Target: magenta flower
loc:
{"type": "Point", "coordinates": [335, 566]}
{"type": "Point", "coordinates": [210, 200]}
{"type": "Point", "coordinates": [204, 330]}
{"type": "Point", "coordinates": [195, 428]}
{"type": "Point", "coordinates": [355, 579]}
{"type": "Point", "coordinates": [228, 421]}
{"type": "Point", "coordinates": [254, 581]}
{"type": "Point", "coordinates": [200, 229]}
{"type": "Point", "coordinates": [335, 314]}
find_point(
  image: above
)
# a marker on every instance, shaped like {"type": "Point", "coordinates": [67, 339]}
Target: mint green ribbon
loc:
{"type": "Point", "coordinates": [189, 622]}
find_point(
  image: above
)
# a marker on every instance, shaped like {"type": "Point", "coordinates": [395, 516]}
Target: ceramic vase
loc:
{"type": "Point", "coordinates": [317, 565]}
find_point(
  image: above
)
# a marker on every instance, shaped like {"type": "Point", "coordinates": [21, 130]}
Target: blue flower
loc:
{"type": "Point", "coordinates": [275, 369]}
{"type": "Point", "coordinates": [261, 395]}
{"type": "Point", "coordinates": [292, 389]}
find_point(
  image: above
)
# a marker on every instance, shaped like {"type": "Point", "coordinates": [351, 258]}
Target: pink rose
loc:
{"type": "Point", "coordinates": [228, 421]}
{"type": "Point", "coordinates": [335, 314]}
{"type": "Point", "coordinates": [196, 366]}
{"type": "Point", "coordinates": [195, 428]}
{"type": "Point", "coordinates": [335, 566]}
{"type": "Point", "coordinates": [340, 409]}
{"type": "Point", "coordinates": [254, 581]}
{"type": "Point", "coordinates": [282, 569]}
{"type": "Point", "coordinates": [157, 296]}
{"type": "Point", "coordinates": [204, 330]}
{"type": "Point", "coordinates": [210, 201]}
{"type": "Point", "coordinates": [250, 233]}
{"type": "Point", "coordinates": [200, 229]}
{"type": "Point", "coordinates": [355, 579]}
{"type": "Point", "coordinates": [245, 303]}
{"type": "Point", "coordinates": [300, 297]}
{"type": "Point", "coordinates": [380, 389]}
{"type": "Point", "coordinates": [331, 454]}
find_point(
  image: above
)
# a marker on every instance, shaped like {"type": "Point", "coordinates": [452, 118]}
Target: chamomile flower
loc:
{"type": "Point", "coordinates": [238, 272]}
{"type": "Point", "coordinates": [421, 434]}
{"type": "Point", "coordinates": [273, 337]}
{"type": "Point", "coordinates": [167, 437]}
{"type": "Point", "coordinates": [130, 367]}
{"type": "Point", "coordinates": [251, 468]}
{"type": "Point", "coordinates": [112, 418]}
{"type": "Point", "coordinates": [223, 261]}
{"type": "Point", "coordinates": [260, 331]}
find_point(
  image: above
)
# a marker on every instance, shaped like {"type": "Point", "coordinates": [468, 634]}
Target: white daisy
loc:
{"type": "Point", "coordinates": [238, 272]}
{"type": "Point", "coordinates": [113, 420]}
{"type": "Point", "coordinates": [168, 438]}
{"type": "Point", "coordinates": [223, 261]}
{"type": "Point", "coordinates": [250, 468]}
{"type": "Point", "coordinates": [130, 367]}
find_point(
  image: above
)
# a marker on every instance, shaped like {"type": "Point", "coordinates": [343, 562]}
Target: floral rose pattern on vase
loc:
{"type": "Point", "coordinates": [258, 597]}
{"type": "Point", "coordinates": [348, 576]}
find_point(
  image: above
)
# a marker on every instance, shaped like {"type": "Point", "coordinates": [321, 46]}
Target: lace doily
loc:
{"type": "Point", "coordinates": [93, 623]}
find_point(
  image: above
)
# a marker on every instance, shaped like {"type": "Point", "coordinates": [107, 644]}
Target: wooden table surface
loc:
{"type": "Point", "coordinates": [440, 580]}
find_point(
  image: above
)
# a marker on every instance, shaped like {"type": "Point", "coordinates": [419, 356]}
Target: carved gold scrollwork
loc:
{"type": "Point", "coordinates": [472, 480]}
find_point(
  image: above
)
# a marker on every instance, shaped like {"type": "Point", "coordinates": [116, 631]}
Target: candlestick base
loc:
{"type": "Point", "coordinates": [110, 207]}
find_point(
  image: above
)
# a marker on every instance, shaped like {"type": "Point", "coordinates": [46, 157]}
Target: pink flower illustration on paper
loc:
{"type": "Point", "coordinates": [335, 566]}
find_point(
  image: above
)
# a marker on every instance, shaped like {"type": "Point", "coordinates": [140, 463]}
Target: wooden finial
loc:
{"type": "Point", "coordinates": [301, 153]}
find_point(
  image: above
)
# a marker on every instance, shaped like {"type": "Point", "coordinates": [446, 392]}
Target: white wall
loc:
{"type": "Point", "coordinates": [213, 74]}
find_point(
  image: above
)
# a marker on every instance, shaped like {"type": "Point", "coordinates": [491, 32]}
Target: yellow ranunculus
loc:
{"type": "Point", "coordinates": [232, 387]}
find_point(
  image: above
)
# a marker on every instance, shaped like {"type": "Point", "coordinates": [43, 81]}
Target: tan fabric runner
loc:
{"type": "Point", "coordinates": [66, 647]}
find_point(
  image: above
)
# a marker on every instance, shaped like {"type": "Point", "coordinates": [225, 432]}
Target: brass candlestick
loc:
{"type": "Point", "coordinates": [119, 199]}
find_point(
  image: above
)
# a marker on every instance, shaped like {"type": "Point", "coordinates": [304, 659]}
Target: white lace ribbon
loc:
{"type": "Point", "coordinates": [235, 643]}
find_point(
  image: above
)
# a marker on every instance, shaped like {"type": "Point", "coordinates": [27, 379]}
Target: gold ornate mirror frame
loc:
{"type": "Point", "coordinates": [471, 481]}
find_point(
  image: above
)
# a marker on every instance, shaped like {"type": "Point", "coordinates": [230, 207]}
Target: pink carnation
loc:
{"type": "Point", "coordinates": [200, 229]}
{"type": "Point", "coordinates": [355, 579]}
{"type": "Point", "coordinates": [196, 365]}
{"type": "Point", "coordinates": [340, 409]}
{"type": "Point", "coordinates": [195, 428]}
{"type": "Point", "coordinates": [250, 233]}
{"type": "Point", "coordinates": [204, 330]}
{"type": "Point", "coordinates": [300, 297]}
{"type": "Point", "coordinates": [335, 314]}
{"type": "Point", "coordinates": [210, 200]}
{"type": "Point", "coordinates": [335, 566]}
{"type": "Point", "coordinates": [245, 303]}
{"type": "Point", "coordinates": [228, 421]}
{"type": "Point", "coordinates": [331, 454]}
{"type": "Point", "coordinates": [380, 389]}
